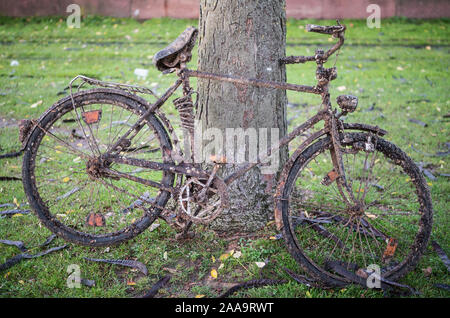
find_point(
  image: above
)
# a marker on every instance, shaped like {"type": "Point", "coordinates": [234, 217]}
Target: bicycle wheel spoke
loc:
{"type": "Point", "coordinates": [325, 228]}
{"type": "Point", "coordinates": [72, 181]}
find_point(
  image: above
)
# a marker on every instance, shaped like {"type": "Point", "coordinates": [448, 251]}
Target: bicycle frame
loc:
{"type": "Point", "coordinates": [332, 125]}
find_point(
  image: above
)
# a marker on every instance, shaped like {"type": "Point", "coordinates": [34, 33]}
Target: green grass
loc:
{"type": "Point", "coordinates": [400, 71]}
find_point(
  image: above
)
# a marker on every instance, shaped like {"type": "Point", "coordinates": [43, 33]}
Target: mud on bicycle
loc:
{"type": "Point", "coordinates": [101, 164]}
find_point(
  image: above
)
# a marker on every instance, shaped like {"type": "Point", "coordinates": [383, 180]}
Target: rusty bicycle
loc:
{"type": "Point", "coordinates": [101, 164]}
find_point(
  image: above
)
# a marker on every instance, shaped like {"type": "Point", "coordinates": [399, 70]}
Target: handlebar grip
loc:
{"type": "Point", "coordinates": [324, 29]}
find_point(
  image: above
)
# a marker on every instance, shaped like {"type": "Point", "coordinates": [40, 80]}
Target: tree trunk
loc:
{"type": "Point", "coordinates": [243, 38]}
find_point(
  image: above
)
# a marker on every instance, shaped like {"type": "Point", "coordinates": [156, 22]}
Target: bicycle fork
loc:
{"type": "Point", "coordinates": [338, 172]}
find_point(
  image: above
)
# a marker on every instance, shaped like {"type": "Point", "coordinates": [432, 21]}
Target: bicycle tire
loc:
{"type": "Point", "coordinates": [396, 156]}
{"type": "Point", "coordinates": [109, 97]}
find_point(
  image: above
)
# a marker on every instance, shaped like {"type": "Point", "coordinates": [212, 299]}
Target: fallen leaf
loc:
{"type": "Point", "coordinates": [36, 104]}
{"type": "Point", "coordinates": [214, 273]}
{"type": "Point", "coordinates": [224, 256]}
{"type": "Point", "coordinates": [260, 264]}
{"type": "Point", "coordinates": [66, 179]}
{"type": "Point", "coordinates": [131, 283]}
{"type": "Point", "coordinates": [427, 271]}
{"type": "Point", "coordinates": [237, 254]}
{"type": "Point", "coordinates": [154, 226]}
{"type": "Point", "coordinates": [199, 296]}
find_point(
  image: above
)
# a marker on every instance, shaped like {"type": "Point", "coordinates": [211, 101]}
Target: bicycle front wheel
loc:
{"type": "Point", "coordinates": [62, 179]}
{"type": "Point", "coordinates": [386, 226]}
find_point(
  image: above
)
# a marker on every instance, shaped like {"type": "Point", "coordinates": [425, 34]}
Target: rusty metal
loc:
{"type": "Point", "coordinates": [195, 186]}
{"type": "Point", "coordinates": [92, 117]}
{"type": "Point", "coordinates": [253, 82]}
{"type": "Point", "coordinates": [200, 194]}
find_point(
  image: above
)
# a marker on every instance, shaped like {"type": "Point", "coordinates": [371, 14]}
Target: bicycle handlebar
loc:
{"type": "Point", "coordinates": [336, 30]}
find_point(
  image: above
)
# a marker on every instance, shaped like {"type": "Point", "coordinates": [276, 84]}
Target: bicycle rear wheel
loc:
{"type": "Point", "coordinates": [389, 226]}
{"type": "Point", "coordinates": [73, 198]}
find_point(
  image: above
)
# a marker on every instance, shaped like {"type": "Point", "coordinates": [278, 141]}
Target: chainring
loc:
{"type": "Point", "coordinates": [198, 208]}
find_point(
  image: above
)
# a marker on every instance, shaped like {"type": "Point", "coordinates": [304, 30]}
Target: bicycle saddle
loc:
{"type": "Point", "coordinates": [177, 52]}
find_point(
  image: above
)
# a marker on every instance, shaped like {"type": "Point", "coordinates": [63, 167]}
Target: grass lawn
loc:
{"type": "Point", "coordinates": [399, 72]}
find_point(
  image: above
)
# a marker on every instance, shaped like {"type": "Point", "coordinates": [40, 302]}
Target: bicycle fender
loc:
{"type": "Point", "coordinates": [364, 127]}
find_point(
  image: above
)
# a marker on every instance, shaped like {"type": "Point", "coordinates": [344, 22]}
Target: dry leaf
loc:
{"type": "Point", "coordinates": [199, 296]}
{"type": "Point", "coordinates": [260, 264]}
{"type": "Point", "coordinates": [237, 254]}
{"type": "Point", "coordinates": [153, 227]}
{"type": "Point", "coordinates": [427, 271]}
{"type": "Point", "coordinates": [370, 215]}
{"type": "Point", "coordinates": [36, 104]}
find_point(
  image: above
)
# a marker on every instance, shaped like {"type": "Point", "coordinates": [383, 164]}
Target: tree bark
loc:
{"type": "Point", "coordinates": [243, 38]}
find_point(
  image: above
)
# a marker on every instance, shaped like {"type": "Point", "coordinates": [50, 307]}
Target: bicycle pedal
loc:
{"type": "Point", "coordinates": [329, 178]}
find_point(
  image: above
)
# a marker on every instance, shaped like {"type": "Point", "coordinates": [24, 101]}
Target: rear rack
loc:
{"type": "Point", "coordinates": [95, 82]}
